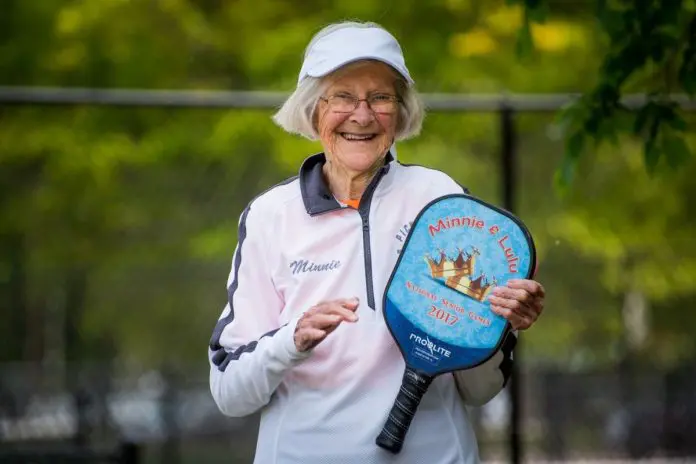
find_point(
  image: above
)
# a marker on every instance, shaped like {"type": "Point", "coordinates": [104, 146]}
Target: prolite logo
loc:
{"type": "Point", "coordinates": [432, 347]}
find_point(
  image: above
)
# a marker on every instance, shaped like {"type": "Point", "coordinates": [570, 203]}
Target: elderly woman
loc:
{"type": "Point", "coordinates": [302, 338]}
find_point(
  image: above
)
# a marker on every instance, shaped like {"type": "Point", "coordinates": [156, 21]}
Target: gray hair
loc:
{"type": "Point", "coordinates": [296, 115]}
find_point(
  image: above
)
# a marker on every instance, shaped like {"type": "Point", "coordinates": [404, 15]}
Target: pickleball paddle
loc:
{"type": "Point", "coordinates": [436, 301]}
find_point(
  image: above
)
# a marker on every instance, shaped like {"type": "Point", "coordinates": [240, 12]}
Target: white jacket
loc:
{"type": "Point", "coordinates": [297, 247]}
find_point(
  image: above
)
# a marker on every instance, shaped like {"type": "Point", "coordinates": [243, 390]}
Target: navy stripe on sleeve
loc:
{"type": "Point", "coordinates": [222, 323]}
{"type": "Point", "coordinates": [221, 358]}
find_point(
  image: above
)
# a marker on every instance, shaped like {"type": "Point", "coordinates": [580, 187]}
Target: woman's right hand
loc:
{"type": "Point", "coordinates": [322, 319]}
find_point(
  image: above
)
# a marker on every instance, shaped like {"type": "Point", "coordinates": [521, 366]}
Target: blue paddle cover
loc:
{"type": "Point", "coordinates": [436, 302]}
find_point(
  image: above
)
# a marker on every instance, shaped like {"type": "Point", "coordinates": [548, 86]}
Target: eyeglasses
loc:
{"type": "Point", "coordinates": [346, 103]}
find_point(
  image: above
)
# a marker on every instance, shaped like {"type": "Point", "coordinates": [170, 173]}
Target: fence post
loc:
{"type": "Point", "coordinates": [555, 397]}
{"type": "Point", "coordinates": [82, 403]}
{"type": "Point", "coordinates": [129, 453]}
{"type": "Point", "coordinates": [508, 173]}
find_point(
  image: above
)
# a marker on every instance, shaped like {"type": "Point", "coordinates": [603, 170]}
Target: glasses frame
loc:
{"type": "Point", "coordinates": [357, 101]}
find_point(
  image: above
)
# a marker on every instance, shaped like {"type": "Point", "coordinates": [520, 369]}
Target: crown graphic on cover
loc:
{"type": "Point", "coordinates": [459, 274]}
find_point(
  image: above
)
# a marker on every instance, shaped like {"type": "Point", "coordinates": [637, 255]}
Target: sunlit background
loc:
{"type": "Point", "coordinates": [118, 224]}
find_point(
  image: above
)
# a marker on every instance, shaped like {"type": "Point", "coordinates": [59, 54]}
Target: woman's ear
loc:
{"type": "Point", "coordinates": [315, 119]}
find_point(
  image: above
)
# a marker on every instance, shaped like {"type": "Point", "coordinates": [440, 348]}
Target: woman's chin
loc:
{"type": "Point", "coordinates": [360, 157]}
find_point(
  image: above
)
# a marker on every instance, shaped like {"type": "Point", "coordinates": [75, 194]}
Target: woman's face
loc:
{"type": "Point", "coordinates": [358, 138]}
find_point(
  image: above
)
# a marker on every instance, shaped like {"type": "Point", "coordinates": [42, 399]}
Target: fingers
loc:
{"type": "Point", "coordinates": [518, 321]}
{"type": "Point", "coordinates": [322, 319]}
{"type": "Point", "coordinates": [507, 293]}
{"type": "Point", "coordinates": [343, 307]}
{"type": "Point", "coordinates": [348, 303]}
{"type": "Point", "coordinates": [527, 292]}
{"type": "Point", "coordinates": [515, 306]}
{"type": "Point", "coordinates": [521, 302]}
{"type": "Point", "coordinates": [531, 286]}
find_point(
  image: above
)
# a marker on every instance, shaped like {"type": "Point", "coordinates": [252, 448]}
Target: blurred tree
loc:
{"type": "Point", "coordinates": [651, 48]}
{"type": "Point", "coordinates": [119, 223]}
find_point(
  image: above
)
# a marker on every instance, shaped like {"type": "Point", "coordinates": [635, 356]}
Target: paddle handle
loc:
{"type": "Point", "coordinates": [413, 387]}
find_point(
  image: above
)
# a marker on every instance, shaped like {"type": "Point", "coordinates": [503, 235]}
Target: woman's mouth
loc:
{"type": "Point", "coordinates": [357, 137]}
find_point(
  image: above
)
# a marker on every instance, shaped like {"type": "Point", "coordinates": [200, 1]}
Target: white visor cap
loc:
{"type": "Point", "coordinates": [351, 44]}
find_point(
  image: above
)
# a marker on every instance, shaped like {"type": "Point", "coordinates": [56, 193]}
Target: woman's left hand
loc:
{"type": "Point", "coordinates": [521, 302]}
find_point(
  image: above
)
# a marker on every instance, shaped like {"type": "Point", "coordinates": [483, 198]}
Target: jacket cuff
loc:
{"type": "Point", "coordinates": [288, 349]}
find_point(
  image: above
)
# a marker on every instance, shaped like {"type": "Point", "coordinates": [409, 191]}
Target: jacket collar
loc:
{"type": "Point", "coordinates": [316, 195]}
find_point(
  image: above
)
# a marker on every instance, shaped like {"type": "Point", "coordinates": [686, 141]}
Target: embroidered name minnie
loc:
{"type": "Point", "coordinates": [302, 265]}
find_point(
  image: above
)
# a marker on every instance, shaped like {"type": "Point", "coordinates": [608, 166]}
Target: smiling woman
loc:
{"type": "Point", "coordinates": [354, 134]}
{"type": "Point", "coordinates": [303, 336]}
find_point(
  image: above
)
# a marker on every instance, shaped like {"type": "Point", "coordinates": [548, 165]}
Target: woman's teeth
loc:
{"type": "Point", "coordinates": [357, 137]}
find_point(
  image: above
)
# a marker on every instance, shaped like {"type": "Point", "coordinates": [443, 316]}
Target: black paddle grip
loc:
{"type": "Point", "coordinates": [413, 387]}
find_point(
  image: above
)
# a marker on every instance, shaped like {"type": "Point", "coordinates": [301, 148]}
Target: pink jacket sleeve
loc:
{"type": "Point", "coordinates": [249, 350]}
{"type": "Point", "coordinates": [481, 384]}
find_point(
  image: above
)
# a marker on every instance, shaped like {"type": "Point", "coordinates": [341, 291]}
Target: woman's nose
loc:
{"type": "Point", "coordinates": [363, 114]}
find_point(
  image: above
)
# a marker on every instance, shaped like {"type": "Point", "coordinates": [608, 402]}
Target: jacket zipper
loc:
{"type": "Point", "coordinates": [364, 210]}
{"type": "Point", "coordinates": [368, 260]}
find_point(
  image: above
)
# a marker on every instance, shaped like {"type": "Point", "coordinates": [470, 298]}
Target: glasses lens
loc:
{"type": "Point", "coordinates": [383, 104]}
{"type": "Point", "coordinates": [342, 103]}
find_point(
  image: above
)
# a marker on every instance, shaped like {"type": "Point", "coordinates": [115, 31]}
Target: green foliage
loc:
{"type": "Point", "coordinates": [651, 48]}
{"type": "Point", "coordinates": [534, 11]}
